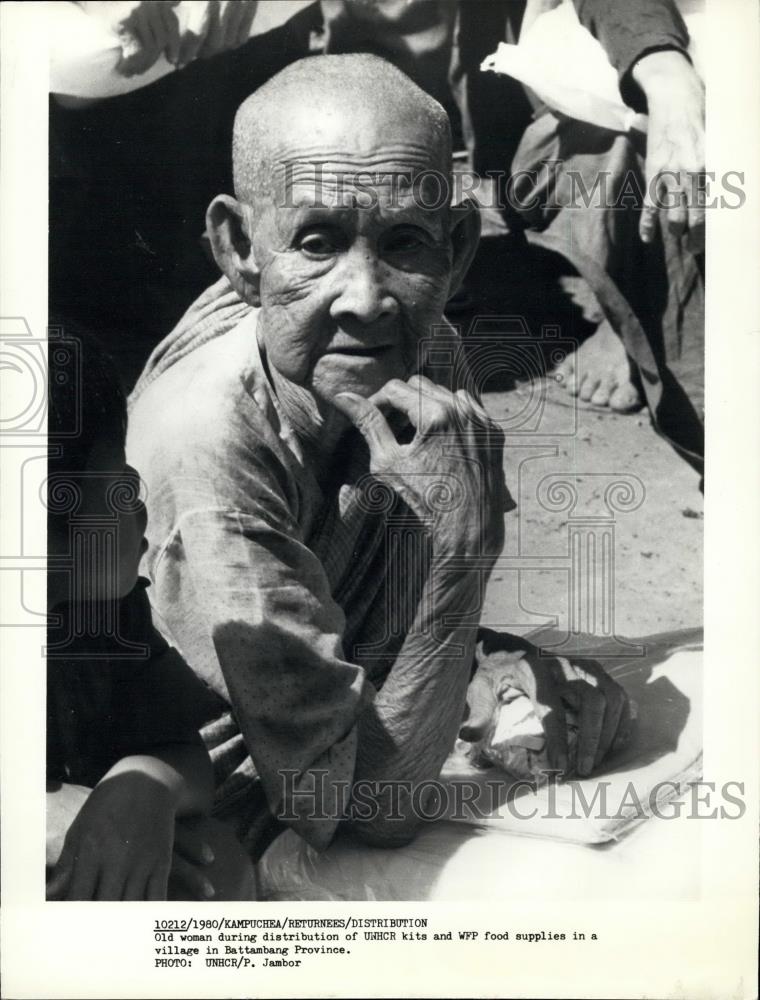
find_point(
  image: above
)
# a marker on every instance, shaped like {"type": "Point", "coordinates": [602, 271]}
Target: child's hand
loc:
{"type": "Point", "coordinates": [190, 861]}
{"type": "Point", "coordinates": [119, 847]}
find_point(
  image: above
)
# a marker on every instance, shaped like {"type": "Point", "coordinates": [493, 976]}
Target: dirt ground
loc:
{"type": "Point", "coordinates": [657, 547]}
{"type": "Point", "coordinates": [519, 317]}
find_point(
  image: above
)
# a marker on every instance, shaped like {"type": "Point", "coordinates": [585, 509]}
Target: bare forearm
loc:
{"type": "Point", "coordinates": [665, 75]}
{"type": "Point", "coordinates": [407, 733]}
{"type": "Point", "coordinates": [184, 769]}
{"type": "Point", "coordinates": [675, 160]}
{"type": "Point", "coordinates": [62, 804]}
{"type": "Point", "coordinates": [451, 478]}
{"type": "Point", "coordinates": [632, 30]}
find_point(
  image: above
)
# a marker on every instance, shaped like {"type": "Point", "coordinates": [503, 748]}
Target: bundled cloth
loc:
{"type": "Point", "coordinates": [585, 838]}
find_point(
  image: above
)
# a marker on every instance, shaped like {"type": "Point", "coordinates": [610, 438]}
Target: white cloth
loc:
{"type": "Point", "coordinates": [568, 69]}
{"type": "Point", "coordinates": [84, 55]}
{"type": "Point", "coordinates": [559, 852]}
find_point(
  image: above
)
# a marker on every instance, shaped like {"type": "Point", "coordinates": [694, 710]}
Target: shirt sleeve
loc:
{"type": "Point", "coordinates": [628, 30]}
{"type": "Point", "coordinates": [250, 605]}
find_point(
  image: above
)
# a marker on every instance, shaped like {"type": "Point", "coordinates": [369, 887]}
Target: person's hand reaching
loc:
{"type": "Point", "coordinates": [602, 706]}
{"type": "Point", "coordinates": [214, 26]}
{"type": "Point", "coordinates": [675, 160]}
{"type": "Point", "coordinates": [145, 29]}
{"type": "Point", "coordinates": [228, 25]}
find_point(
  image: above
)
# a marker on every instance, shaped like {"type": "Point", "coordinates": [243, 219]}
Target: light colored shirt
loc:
{"type": "Point", "coordinates": [289, 599]}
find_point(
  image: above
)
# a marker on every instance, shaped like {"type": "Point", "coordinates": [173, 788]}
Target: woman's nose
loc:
{"type": "Point", "coordinates": [362, 294]}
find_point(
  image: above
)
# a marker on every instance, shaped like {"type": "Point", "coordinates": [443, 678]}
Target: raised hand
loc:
{"type": "Point", "coordinates": [145, 29]}
{"type": "Point", "coordinates": [229, 25]}
{"type": "Point", "coordinates": [675, 160]}
{"type": "Point", "coordinates": [450, 473]}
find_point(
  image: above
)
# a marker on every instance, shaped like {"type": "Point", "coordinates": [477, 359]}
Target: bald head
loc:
{"type": "Point", "coordinates": [320, 108]}
{"type": "Point", "coordinates": [343, 205]}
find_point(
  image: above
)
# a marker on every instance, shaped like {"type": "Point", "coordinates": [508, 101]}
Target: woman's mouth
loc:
{"type": "Point", "coordinates": [362, 351]}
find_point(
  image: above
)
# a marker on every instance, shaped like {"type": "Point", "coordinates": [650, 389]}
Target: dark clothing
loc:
{"type": "Point", "coordinates": [628, 30]}
{"type": "Point", "coordinates": [131, 177]}
{"type": "Point", "coordinates": [497, 108]}
{"type": "Point", "coordinates": [650, 294]}
{"type": "Point", "coordinates": [106, 701]}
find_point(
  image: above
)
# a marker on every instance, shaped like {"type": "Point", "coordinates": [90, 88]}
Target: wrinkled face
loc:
{"type": "Point", "coordinates": [355, 269]}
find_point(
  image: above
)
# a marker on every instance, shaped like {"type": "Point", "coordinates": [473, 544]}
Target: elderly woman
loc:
{"type": "Point", "coordinates": [326, 498]}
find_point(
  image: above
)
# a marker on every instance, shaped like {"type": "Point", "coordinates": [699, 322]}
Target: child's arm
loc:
{"type": "Point", "coordinates": [183, 768]}
{"type": "Point", "coordinates": [62, 803]}
{"type": "Point", "coordinates": [119, 845]}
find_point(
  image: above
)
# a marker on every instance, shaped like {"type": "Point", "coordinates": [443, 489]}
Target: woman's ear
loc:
{"type": "Point", "coordinates": [465, 235]}
{"type": "Point", "coordinates": [228, 223]}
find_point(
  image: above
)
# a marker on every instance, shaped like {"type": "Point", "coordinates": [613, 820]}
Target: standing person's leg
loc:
{"type": "Point", "coordinates": [581, 192]}
{"type": "Point", "coordinates": [496, 108]}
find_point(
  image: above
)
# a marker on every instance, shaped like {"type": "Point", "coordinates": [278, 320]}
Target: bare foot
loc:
{"type": "Point", "coordinates": [599, 372]}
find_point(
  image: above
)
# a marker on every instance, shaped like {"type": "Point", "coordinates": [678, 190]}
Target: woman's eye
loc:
{"type": "Point", "coordinates": [405, 242]}
{"type": "Point", "coordinates": [318, 244]}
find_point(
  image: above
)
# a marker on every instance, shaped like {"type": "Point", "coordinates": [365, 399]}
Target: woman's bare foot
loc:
{"type": "Point", "coordinates": [599, 372]}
